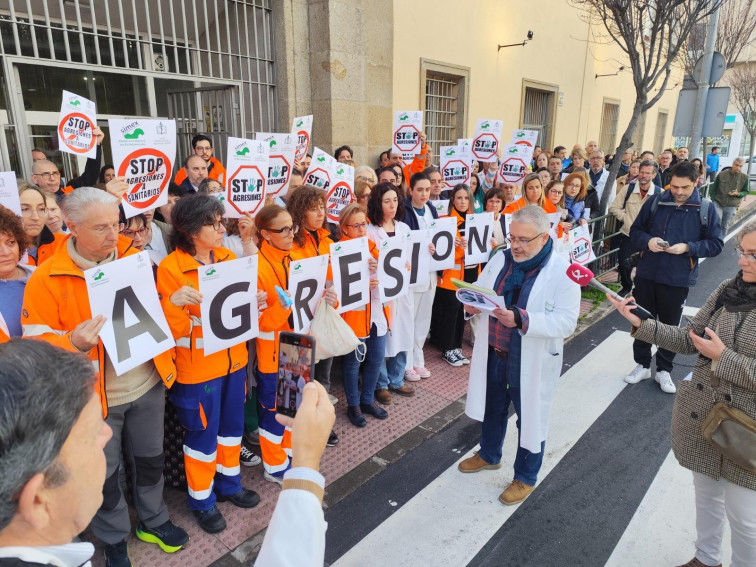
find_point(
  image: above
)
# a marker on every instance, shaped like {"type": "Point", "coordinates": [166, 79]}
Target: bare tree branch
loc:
{"type": "Point", "coordinates": [742, 81]}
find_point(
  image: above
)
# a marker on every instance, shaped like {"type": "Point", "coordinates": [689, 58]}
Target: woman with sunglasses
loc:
{"type": "Point", "coordinates": [370, 325]}
{"type": "Point", "coordinates": [209, 391]}
{"type": "Point", "coordinates": [275, 231]}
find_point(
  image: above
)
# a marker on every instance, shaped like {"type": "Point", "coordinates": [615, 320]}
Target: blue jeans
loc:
{"type": "Point", "coordinates": [498, 396]}
{"type": "Point", "coordinates": [375, 349]}
{"type": "Point", "coordinates": [725, 215]}
{"type": "Point", "coordinates": [392, 372]}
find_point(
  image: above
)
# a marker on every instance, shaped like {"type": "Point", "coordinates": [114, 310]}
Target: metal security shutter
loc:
{"type": "Point", "coordinates": [609, 119]}
{"type": "Point", "coordinates": [536, 113]}
{"type": "Point", "coordinates": [441, 105]}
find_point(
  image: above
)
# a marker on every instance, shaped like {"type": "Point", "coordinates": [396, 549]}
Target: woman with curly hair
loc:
{"type": "Point", "coordinates": [306, 205]}
{"type": "Point", "coordinates": [13, 274]}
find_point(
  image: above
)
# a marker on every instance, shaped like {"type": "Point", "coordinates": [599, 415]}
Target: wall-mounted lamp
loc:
{"type": "Point", "coordinates": [530, 37]}
{"type": "Point", "coordinates": [611, 74]}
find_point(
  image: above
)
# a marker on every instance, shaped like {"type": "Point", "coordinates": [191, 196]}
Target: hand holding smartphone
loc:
{"type": "Point", "coordinates": [296, 367]}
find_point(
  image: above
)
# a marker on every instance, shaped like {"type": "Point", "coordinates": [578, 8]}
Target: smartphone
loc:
{"type": "Point", "coordinates": [663, 243]}
{"type": "Point", "coordinates": [296, 367]}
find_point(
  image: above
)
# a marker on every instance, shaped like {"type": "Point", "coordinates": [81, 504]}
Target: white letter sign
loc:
{"type": "Point", "coordinates": [407, 127]}
{"type": "Point", "coordinates": [420, 257]}
{"type": "Point", "coordinates": [393, 276]}
{"type": "Point", "coordinates": [443, 233]}
{"type": "Point", "coordinates": [351, 281]}
{"type": "Point", "coordinates": [229, 303]}
{"type": "Point", "coordinates": [479, 232]}
{"type": "Point", "coordinates": [307, 280]}
{"type": "Point", "coordinates": [136, 329]}
{"type": "Point", "coordinates": [281, 161]}
{"type": "Point", "coordinates": [487, 139]}
{"type": "Point", "coordinates": [76, 126]}
{"type": "Point", "coordinates": [144, 151]}
{"type": "Point", "coordinates": [246, 172]}
{"type": "Point", "coordinates": [9, 192]}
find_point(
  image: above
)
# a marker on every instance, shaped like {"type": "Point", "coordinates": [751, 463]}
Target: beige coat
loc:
{"type": "Point", "coordinates": [627, 215]}
{"type": "Point", "coordinates": [736, 372]}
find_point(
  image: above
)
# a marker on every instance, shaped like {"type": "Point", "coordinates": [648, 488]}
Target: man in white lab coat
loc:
{"type": "Point", "coordinates": [517, 356]}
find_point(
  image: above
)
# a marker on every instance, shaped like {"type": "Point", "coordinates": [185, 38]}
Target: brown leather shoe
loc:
{"type": "Point", "coordinates": [405, 390]}
{"type": "Point", "coordinates": [475, 464]}
{"type": "Point", "coordinates": [696, 563]}
{"type": "Point", "coordinates": [515, 493]}
{"type": "Point", "coordinates": [383, 396]}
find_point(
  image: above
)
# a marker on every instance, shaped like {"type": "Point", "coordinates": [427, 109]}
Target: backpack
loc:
{"type": "Point", "coordinates": [703, 211]}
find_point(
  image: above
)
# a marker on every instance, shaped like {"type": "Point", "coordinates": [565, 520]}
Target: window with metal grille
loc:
{"type": "Point", "coordinates": [640, 129]}
{"type": "Point", "coordinates": [441, 107]}
{"type": "Point", "coordinates": [608, 132]}
{"type": "Point", "coordinates": [536, 113]}
{"type": "Point", "coordinates": [661, 132]}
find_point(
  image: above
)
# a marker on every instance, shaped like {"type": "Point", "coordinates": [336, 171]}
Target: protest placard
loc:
{"type": "Point", "coordinates": [307, 280]}
{"type": "Point", "coordinates": [301, 126]}
{"type": "Point", "coordinates": [420, 257]}
{"type": "Point", "coordinates": [229, 303]}
{"type": "Point", "coordinates": [282, 149]}
{"type": "Point", "coordinates": [246, 168]}
{"type": "Point", "coordinates": [9, 192]}
{"type": "Point", "coordinates": [527, 138]}
{"type": "Point", "coordinates": [443, 234]}
{"type": "Point", "coordinates": [479, 228]}
{"type": "Point", "coordinates": [144, 151]}
{"type": "Point", "coordinates": [455, 169]}
{"type": "Point", "coordinates": [76, 125]}
{"type": "Point", "coordinates": [441, 206]}
{"type": "Point", "coordinates": [322, 170]}
{"type": "Point", "coordinates": [124, 292]}
{"type": "Point", "coordinates": [350, 275]}
{"type": "Point", "coordinates": [408, 124]}
{"type": "Point", "coordinates": [581, 250]}
{"type": "Point", "coordinates": [393, 275]}
{"type": "Point", "coordinates": [341, 193]}
{"type": "Point", "coordinates": [515, 164]}
{"type": "Point", "coordinates": [487, 139]}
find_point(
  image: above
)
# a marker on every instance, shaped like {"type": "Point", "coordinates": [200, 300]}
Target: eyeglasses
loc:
{"type": "Point", "coordinates": [132, 233]}
{"type": "Point", "coordinates": [216, 225]}
{"type": "Point", "coordinates": [522, 241]}
{"type": "Point", "coordinates": [101, 230]}
{"type": "Point", "coordinates": [749, 257]}
{"type": "Point", "coordinates": [286, 230]}
{"type": "Point", "coordinates": [48, 174]}
{"type": "Point", "coordinates": [358, 226]}
{"type": "Point", "coordinates": [555, 192]}
{"type": "Point", "coordinates": [28, 212]}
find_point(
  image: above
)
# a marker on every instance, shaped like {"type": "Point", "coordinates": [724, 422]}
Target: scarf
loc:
{"type": "Point", "coordinates": [738, 296]}
{"type": "Point", "coordinates": [81, 262]}
{"type": "Point", "coordinates": [515, 279]}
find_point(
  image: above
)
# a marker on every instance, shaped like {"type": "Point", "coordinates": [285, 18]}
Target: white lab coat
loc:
{"type": "Point", "coordinates": [553, 308]}
{"type": "Point", "coordinates": [400, 337]}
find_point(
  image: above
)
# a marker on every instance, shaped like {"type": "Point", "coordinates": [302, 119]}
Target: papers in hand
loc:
{"type": "Point", "coordinates": [478, 297]}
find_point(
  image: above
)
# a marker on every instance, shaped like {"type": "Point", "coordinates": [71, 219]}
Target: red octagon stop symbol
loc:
{"type": "Point", "coordinates": [248, 180]}
{"type": "Point", "coordinates": [319, 178]}
{"type": "Point", "coordinates": [581, 250]}
{"type": "Point", "coordinates": [485, 146]}
{"type": "Point", "coordinates": [404, 137]}
{"type": "Point", "coordinates": [449, 173]}
{"type": "Point", "coordinates": [512, 170]}
{"type": "Point", "coordinates": [145, 153]}
{"type": "Point", "coordinates": [278, 182]}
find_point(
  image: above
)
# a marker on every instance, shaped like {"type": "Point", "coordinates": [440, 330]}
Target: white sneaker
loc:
{"type": "Point", "coordinates": [665, 381]}
{"type": "Point", "coordinates": [334, 400]}
{"type": "Point", "coordinates": [451, 357]}
{"type": "Point", "coordinates": [639, 373]}
{"type": "Point", "coordinates": [460, 356]}
{"type": "Point", "coordinates": [411, 376]}
{"type": "Point", "coordinates": [248, 458]}
{"type": "Point", "coordinates": [270, 478]}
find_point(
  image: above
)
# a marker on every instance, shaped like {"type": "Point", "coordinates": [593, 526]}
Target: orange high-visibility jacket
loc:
{"type": "Point", "coordinates": [48, 244]}
{"type": "Point", "coordinates": [520, 203]}
{"type": "Point", "coordinates": [359, 319]}
{"type": "Point", "coordinates": [215, 170]}
{"type": "Point", "coordinates": [272, 270]}
{"type": "Point", "coordinates": [177, 270]}
{"type": "Point", "coordinates": [56, 301]}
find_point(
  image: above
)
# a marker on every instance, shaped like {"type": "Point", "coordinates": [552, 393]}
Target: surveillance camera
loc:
{"type": "Point", "coordinates": [530, 34]}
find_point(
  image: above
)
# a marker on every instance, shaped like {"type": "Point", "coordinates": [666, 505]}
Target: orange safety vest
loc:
{"type": "Point", "coordinates": [310, 248]}
{"type": "Point", "coordinates": [272, 270]}
{"type": "Point", "coordinates": [359, 319]}
{"type": "Point", "coordinates": [520, 203]}
{"type": "Point", "coordinates": [215, 170]}
{"type": "Point", "coordinates": [177, 270]}
{"type": "Point", "coordinates": [56, 301]}
{"type": "Point", "coordinates": [49, 243]}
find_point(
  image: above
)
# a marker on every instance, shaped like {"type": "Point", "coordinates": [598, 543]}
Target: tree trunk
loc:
{"type": "Point", "coordinates": [609, 192]}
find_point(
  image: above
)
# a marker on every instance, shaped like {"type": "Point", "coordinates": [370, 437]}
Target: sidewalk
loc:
{"type": "Point", "coordinates": [435, 404]}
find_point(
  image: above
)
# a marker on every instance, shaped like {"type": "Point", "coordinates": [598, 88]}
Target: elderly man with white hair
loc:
{"type": "Point", "coordinates": [728, 191]}
{"type": "Point", "coordinates": [56, 310]}
{"type": "Point", "coordinates": [517, 356]}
